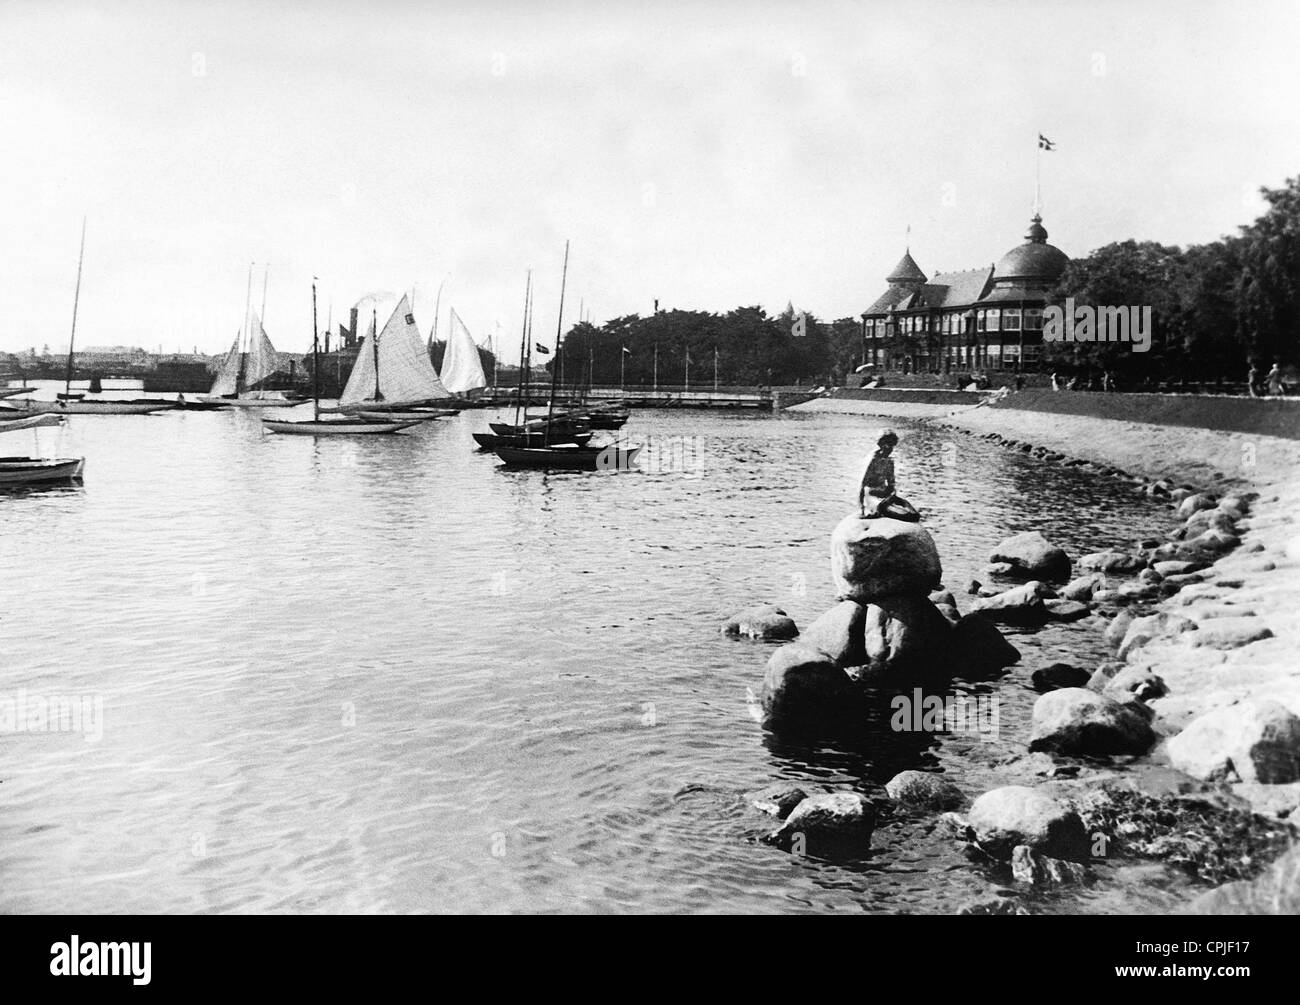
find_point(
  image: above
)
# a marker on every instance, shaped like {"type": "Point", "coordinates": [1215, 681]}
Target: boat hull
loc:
{"type": "Point", "coordinates": [9, 392]}
{"type": "Point", "coordinates": [248, 402]}
{"type": "Point", "coordinates": [490, 441]}
{"type": "Point", "coordinates": [138, 406]}
{"type": "Point", "coordinates": [34, 470]}
{"type": "Point", "coordinates": [411, 416]}
{"type": "Point", "coordinates": [571, 458]}
{"type": "Point", "coordinates": [333, 427]}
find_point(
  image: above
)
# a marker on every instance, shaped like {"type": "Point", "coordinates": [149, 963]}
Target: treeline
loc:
{"type": "Point", "coordinates": [1217, 308]}
{"type": "Point", "coordinates": [748, 346]}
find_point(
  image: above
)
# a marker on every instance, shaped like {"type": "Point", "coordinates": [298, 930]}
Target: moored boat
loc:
{"type": "Point", "coordinates": [571, 458]}
{"type": "Point", "coordinates": [90, 406]}
{"type": "Point", "coordinates": [37, 470]}
{"type": "Point", "coordinates": [334, 427]}
{"type": "Point", "coordinates": [316, 426]}
{"type": "Point", "coordinates": [396, 415]}
{"type": "Point", "coordinates": [34, 470]}
{"type": "Point", "coordinates": [490, 441]}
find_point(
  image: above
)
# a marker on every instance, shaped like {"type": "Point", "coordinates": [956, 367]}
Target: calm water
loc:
{"type": "Point", "coordinates": [390, 676]}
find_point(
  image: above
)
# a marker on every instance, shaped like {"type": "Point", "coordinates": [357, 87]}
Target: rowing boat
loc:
{"type": "Point", "coordinates": [571, 458]}
{"type": "Point", "coordinates": [334, 427]}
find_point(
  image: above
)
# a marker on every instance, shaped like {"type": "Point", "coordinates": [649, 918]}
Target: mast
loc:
{"type": "Point", "coordinates": [559, 341]}
{"type": "Point", "coordinates": [315, 355]}
{"type": "Point", "coordinates": [243, 356]}
{"type": "Point", "coordinates": [265, 276]}
{"type": "Point", "coordinates": [374, 345]}
{"type": "Point", "coordinates": [76, 299]}
{"type": "Point", "coordinates": [656, 370]}
{"type": "Point", "coordinates": [523, 344]}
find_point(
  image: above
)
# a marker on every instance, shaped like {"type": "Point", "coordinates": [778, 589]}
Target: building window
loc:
{"type": "Point", "coordinates": [1033, 319]}
{"type": "Point", "coordinates": [994, 320]}
{"type": "Point", "coordinates": [981, 321]}
{"type": "Point", "coordinates": [1011, 319]}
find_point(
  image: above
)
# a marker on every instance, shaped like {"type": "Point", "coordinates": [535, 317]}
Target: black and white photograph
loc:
{"type": "Point", "coordinates": [720, 458]}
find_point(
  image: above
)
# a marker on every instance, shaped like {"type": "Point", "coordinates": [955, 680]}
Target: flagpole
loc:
{"type": "Point", "coordinates": [622, 366]}
{"type": "Point", "coordinates": [656, 369]}
{"type": "Point", "coordinates": [688, 368]}
{"type": "Point", "coordinates": [715, 368]}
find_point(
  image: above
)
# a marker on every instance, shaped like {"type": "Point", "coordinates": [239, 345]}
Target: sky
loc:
{"type": "Point", "coordinates": [703, 154]}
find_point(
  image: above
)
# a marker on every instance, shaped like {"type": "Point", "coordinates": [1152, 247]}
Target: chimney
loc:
{"type": "Point", "coordinates": [353, 332]}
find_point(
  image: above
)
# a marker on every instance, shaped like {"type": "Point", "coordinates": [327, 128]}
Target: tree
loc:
{"type": "Point", "coordinates": [1268, 287]}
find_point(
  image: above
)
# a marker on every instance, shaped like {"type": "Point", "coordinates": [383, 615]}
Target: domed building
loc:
{"type": "Point", "coordinates": [978, 319]}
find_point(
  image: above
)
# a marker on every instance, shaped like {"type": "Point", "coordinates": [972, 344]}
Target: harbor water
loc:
{"type": "Point", "coordinates": [389, 675]}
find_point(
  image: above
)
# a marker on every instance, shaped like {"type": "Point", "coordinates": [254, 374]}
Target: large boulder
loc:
{"type": "Point", "coordinates": [881, 558]}
{"type": "Point", "coordinates": [924, 790]}
{"type": "Point", "coordinates": [1083, 588]}
{"type": "Point", "coordinates": [778, 799]}
{"type": "Point", "coordinates": [1021, 605]}
{"type": "Point", "coordinates": [978, 648]}
{"type": "Point", "coordinates": [828, 825]}
{"type": "Point", "coordinates": [838, 633]}
{"type": "Point", "coordinates": [1017, 815]}
{"type": "Point", "coordinates": [1231, 633]}
{"type": "Point", "coordinates": [1192, 503]}
{"type": "Point", "coordinates": [1027, 866]}
{"type": "Point", "coordinates": [765, 621]}
{"type": "Point", "coordinates": [1134, 684]}
{"type": "Point", "coordinates": [1254, 741]}
{"type": "Point", "coordinates": [1275, 892]}
{"type": "Point", "coordinates": [1057, 676]}
{"type": "Point", "coordinates": [1112, 561]}
{"type": "Point", "coordinates": [1154, 626]}
{"type": "Point", "coordinates": [1075, 721]}
{"type": "Point", "coordinates": [1031, 554]}
{"type": "Point", "coordinates": [904, 637]}
{"type": "Point", "coordinates": [803, 691]}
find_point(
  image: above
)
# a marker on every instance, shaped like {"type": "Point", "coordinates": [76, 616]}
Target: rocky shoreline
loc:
{"type": "Point", "coordinates": [1189, 737]}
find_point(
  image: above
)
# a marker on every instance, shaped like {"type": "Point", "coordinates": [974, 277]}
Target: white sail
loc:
{"type": "Point", "coordinates": [405, 373]}
{"type": "Point", "coordinates": [228, 374]}
{"type": "Point", "coordinates": [461, 368]}
{"type": "Point", "coordinates": [262, 358]}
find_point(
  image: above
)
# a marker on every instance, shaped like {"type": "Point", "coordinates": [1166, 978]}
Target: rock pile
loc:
{"type": "Point", "coordinates": [885, 630]}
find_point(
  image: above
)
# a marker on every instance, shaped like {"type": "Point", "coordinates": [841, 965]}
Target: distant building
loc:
{"type": "Point", "coordinates": [979, 319]}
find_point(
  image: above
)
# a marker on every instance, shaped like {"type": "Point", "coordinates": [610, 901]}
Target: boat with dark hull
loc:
{"type": "Point", "coordinates": [564, 457]}
{"type": "Point", "coordinates": [490, 441]}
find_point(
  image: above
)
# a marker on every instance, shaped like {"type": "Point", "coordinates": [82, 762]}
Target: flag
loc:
{"type": "Point", "coordinates": [541, 348]}
{"type": "Point", "coordinates": [627, 350]}
{"type": "Point", "coordinates": [1044, 143]}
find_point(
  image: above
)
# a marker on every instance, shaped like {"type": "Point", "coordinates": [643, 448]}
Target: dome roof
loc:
{"type": "Point", "coordinates": [906, 271]}
{"type": "Point", "coordinates": [1035, 259]}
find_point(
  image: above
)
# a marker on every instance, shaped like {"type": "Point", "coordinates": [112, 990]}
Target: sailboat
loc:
{"type": "Point", "coordinates": [462, 369]}
{"type": "Point", "coordinates": [241, 372]}
{"type": "Point", "coordinates": [67, 403]}
{"type": "Point", "coordinates": [393, 376]}
{"type": "Point", "coordinates": [553, 454]}
{"type": "Point", "coordinates": [316, 426]}
{"type": "Point", "coordinates": [35, 470]}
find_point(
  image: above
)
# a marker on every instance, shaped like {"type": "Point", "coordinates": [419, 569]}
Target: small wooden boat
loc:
{"type": "Point", "coordinates": [490, 441]}
{"type": "Point", "coordinates": [334, 427]}
{"type": "Point", "coordinates": [134, 406]}
{"type": "Point", "coordinates": [253, 399]}
{"type": "Point", "coordinates": [35, 470]}
{"type": "Point", "coordinates": [414, 415]}
{"type": "Point", "coordinates": [571, 458]}
{"type": "Point", "coordinates": [347, 426]}
{"type": "Point", "coordinates": [558, 427]}
{"type": "Point", "coordinates": [185, 405]}
{"type": "Point", "coordinates": [607, 420]}
{"type": "Point", "coordinates": [9, 392]}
